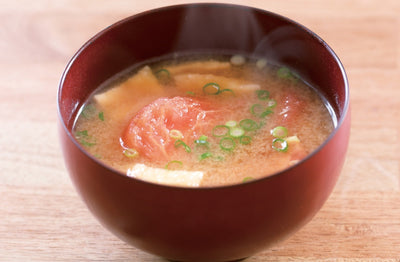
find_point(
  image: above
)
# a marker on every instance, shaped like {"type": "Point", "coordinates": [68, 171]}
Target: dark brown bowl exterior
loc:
{"type": "Point", "coordinates": [205, 224]}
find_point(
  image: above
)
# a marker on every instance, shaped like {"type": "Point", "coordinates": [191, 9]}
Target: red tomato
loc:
{"type": "Point", "coordinates": [148, 131]}
{"type": "Point", "coordinates": [288, 109]}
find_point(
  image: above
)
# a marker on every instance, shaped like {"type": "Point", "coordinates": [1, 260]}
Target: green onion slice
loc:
{"type": "Point", "coordinates": [163, 75]}
{"type": "Point", "coordinates": [248, 124]}
{"type": "Point", "coordinates": [236, 132]}
{"type": "Point", "coordinates": [179, 143]}
{"type": "Point", "coordinates": [101, 116]}
{"type": "Point", "coordinates": [130, 152]}
{"type": "Point", "coordinates": [205, 155]}
{"type": "Point", "coordinates": [227, 144]}
{"type": "Point", "coordinates": [174, 163]}
{"type": "Point", "coordinates": [280, 145]}
{"type": "Point", "coordinates": [246, 179]}
{"type": "Point", "coordinates": [271, 103]}
{"type": "Point", "coordinates": [266, 112]}
{"type": "Point", "coordinates": [175, 134]}
{"type": "Point", "coordinates": [211, 88]}
{"type": "Point", "coordinates": [257, 110]}
{"type": "Point", "coordinates": [220, 130]}
{"type": "Point", "coordinates": [262, 94]}
{"type": "Point", "coordinates": [231, 123]}
{"type": "Point", "coordinates": [245, 140]}
{"type": "Point", "coordinates": [227, 90]}
{"type": "Point", "coordinates": [279, 132]}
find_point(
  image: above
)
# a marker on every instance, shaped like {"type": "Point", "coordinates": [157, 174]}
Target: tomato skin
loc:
{"type": "Point", "coordinates": [289, 108]}
{"type": "Point", "coordinates": [148, 131]}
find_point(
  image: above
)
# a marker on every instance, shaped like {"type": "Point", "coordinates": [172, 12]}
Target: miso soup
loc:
{"type": "Point", "coordinates": [203, 121]}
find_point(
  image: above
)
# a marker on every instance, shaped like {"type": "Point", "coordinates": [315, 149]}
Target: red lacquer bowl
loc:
{"type": "Point", "coordinates": [205, 224]}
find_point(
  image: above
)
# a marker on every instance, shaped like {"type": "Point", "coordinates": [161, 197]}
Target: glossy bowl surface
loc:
{"type": "Point", "coordinates": [205, 224]}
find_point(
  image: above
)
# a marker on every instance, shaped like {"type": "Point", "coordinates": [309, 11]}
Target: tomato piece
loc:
{"type": "Point", "coordinates": [289, 108]}
{"type": "Point", "coordinates": [148, 131]}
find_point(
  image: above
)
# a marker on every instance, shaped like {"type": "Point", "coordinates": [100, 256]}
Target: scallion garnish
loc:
{"type": "Point", "coordinates": [280, 145]}
{"type": "Point", "coordinates": [246, 179]}
{"type": "Point", "coordinates": [286, 73]}
{"type": "Point", "coordinates": [231, 123]}
{"type": "Point", "coordinates": [202, 140]}
{"type": "Point", "coordinates": [88, 111]}
{"type": "Point", "coordinates": [220, 130]}
{"type": "Point", "coordinates": [227, 144]}
{"type": "Point", "coordinates": [173, 162]}
{"type": "Point", "coordinates": [101, 116]}
{"type": "Point", "coordinates": [262, 94]}
{"type": "Point", "coordinates": [245, 140]}
{"type": "Point", "coordinates": [175, 134]}
{"type": "Point", "coordinates": [85, 139]}
{"type": "Point", "coordinates": [227, 90]}
{"type": "Point", "coordinates": [271, 103]}
{"type": "Point", "coordinates": [205, 155]}
{"type": "Point", "coordinates": [236, 132]}
{"type": "Point", "coordinates": [163, 76]}
{"type": "Point", "coordinates": [130, 152]}
{"type": "Point", "coordinates": [211, 88]}
{"type": "Point", "coordinates": [279, 132]}
{"type": "Point", "coordinates": [248, 124]}
{"type": "Point", "coordinates": [179, 143]}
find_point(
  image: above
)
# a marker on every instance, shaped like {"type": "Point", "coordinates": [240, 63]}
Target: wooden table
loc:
{"type": "Point", "coordinates": [43, 219]}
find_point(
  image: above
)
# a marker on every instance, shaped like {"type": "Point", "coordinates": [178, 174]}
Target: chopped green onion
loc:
{"type": "Point", "coordinates": [286, 73]}
{"type": "Point", "coordinates": [280, 145]}
{"type": "Point", "coordinates": [163, 75]}
{"type": "Point", "coordinates": [257, 110]}
{"type": "Point", "coordinates": [179, 143]}
{"type": "Point", "coordinates": [202, 140]}
{"type": "Point", "coordinates": [211, 88]}
{"type": "Point", "coordinates": [85, 139]}
{"type": "Point", "coordinates": [231, 123]}
{"type": "Point", "coordinates": [236, 132]}
{"type": "Point", "coordinates": [175, 134]}
{"type": "Point", "coordinates": [271, 103]}
{"type": "Point", "coordinates": [173, 162]}
{"type": "Point", "coordinates": [279, 132]}
{"type": "Point", "coordinates": [82, 133]}
{"type": "Point", "coordinates": [246, 179]}
{"type": "Point", "coordinates": [205, 155]}
{"type": "Point", "coordinates": [220, 130]}
{"type": "Point", "coordinates": [262, 94]}
{"type": "Point", "coordinates": [261, 63]}
{"type": "Point", "coordinates": [191, 93]}
{"type": "Point", "coordinates": [248, 124]}
{"type": "Point", "coordinates": [238, 60]}
{"type": "Point", "coordinates": [227, 144]}
{"type": "Point", "coordinates": [88, 111]}
{"type": "Point", "coordinates": [266, 112]}
{"type": "Point", "coordinates": [227, 90]}
{"type": "Point", "coordinates": [245, 140]}
{"type": "Point", "coordinates": [101, 116]}
{"type": "Point", "coordinates": [130, 152]}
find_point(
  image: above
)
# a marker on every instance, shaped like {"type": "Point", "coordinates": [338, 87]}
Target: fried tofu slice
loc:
{"type": "Point", "coordinates": [210, 66]}
{"type": "Point", "coordinates": [194, 83]}
{"type": "Point", "coordinates": [131, 95]}
{"type": "Point", "coordinates": [165, 176]}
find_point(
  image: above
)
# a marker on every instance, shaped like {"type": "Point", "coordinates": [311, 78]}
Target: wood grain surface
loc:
{"type": "Point", "coordinates": [43, 219]}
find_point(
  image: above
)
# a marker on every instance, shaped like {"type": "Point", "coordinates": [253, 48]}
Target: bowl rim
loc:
{"type": "Point", "coordinates": [340, 120]}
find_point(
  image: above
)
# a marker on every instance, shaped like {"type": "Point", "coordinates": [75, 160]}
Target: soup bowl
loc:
{"type": "Point", "coordinates": [214, 223]}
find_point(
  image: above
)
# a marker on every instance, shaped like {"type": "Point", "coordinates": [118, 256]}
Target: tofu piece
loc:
{"type": "Point", "coordinates": [209, 66]}
{"type": "Point", "coordinates": [165, 176]}
{"type": "Point", "coordinates": [131, 95]}
{"type": "Point", "coordinates": [195, 82]}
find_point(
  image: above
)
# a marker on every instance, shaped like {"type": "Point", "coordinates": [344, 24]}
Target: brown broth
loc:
{"type": "Point", "coordinates": [101, 124]}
